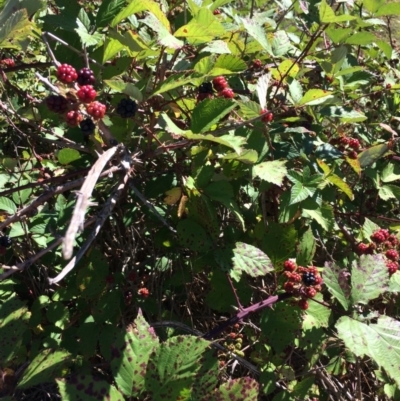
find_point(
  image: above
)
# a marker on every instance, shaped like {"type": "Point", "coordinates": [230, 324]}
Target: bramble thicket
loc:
{"type": "Point", "coordinates": [199, 200]}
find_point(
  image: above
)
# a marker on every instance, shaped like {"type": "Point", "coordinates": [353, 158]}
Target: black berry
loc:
{"type": "Point", "coordinates": [57, 103]}
{"type": "Point", "coordinates": [86, 77]}
{"type": "Point", "coordinates": [126, 108]}
{"type": "Point", "coordinates": [87, 126]}
{"type": "Point", "coordinates": [308, 278]}
{"type": "Point", "coordinates": [206, 87]}
{"type": "Point", "coordinates": [5, 241]}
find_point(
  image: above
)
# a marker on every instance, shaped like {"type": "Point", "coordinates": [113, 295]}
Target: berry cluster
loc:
{"type": "Point", "coordinates": [267, 116]}
{"type": "Point", "coordinates": [303, 282]}
{"type": "Point", "coordinates": [7, 62]}
{"type": "Point", "coordinates": [349, 146]}
{"type": "Point", "coordinates": [221, 86]}
{"type": "Point", "coordinates": [385, 243]}
{"type": "Point", "coordinates": [86, 94]}
{"type": "Point", "coordinates": [126, 108]}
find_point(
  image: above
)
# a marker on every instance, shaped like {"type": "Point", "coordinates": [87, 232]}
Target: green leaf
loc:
{"type": "Point", "coordinates": [174, 81]}
{"type": "Point", "coordinates": [122, 87]}
{"type": "Point", "coordinates": [373, 5]}
{"type": "Point", "coordinates": [372, 154]}
{"type": "Point", "coordinates": [87, 387]}
{"type": "Point", "coordinates": [336, 280]}
{"type": "Point", "coordinates": [343, 186]}
{"type": "Point", "coordinates": [251, 260]}
{"type": "Point", "coordinates": [15, 29]}
{"type": "Point", "coordinates": [369, 278]}
{"type": "Point", "coordinates": [327, 15]}
{"type": "Point", "coordinates": [14, 317]}
{"type": "Point", "coordinates": [317, 314]}
{"type": "Point", "coordinates": [58, 314]}
{"type": "Point", "coordinates": [193, 236]}
{"type": "Point", "coordinates": [230, 63]}
{"type": "Point", "coordinates": [195, 33]}
{"type": "Point", "coordinates": [257, 31]}
{"type": "Point", "coordinates": [173, 367]}
{"type": "Point", "coordinates": [130, 354]}
{"type": "Point", "coordinates": [298, 193]}
{"type": "Point", "coordinates": [296, 91]}
{"type": "Point", "coordinates": [142, 5]}
{"type": "Point", "coordinates": [380, 341]}
{"type": "Point", "coordinates": [233, 142]}
{"type": "Point", "coordinates": [216, 47]}
{"type": "Point", "coordinates": [391, 172]}
{"type": "Point", "coordinates": [388, 9]}
{"type": "Point", "coordinates": [323, 216]}
{"type": "Point", "coordinates": [107, 11]}
{"type": "Point", "coordinates": [271, 171]}
{"type": "Point", "coordinates": [45, 367]}
{"type": "Point", "coordinates": [244, 388]}
{"type": "Point", "coordinates": [208, 112]}
{"type": "Point", "coordinates": [361, 39]}
{"type": "Point", "coordinates": [87, 38]}
{"type": "Point", "coordinates": [306, 249]}
{"type": "Point", "coordinates": [315, 97]}
{"type": "Point", "coordinates": [67, 155]}
{"type": "Point", "coordinates": [7, 205]}
{"type": "Point", "coordinates": [369, 228]}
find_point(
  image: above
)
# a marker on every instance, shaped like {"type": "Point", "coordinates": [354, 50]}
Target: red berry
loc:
{"type": "Point", "coordinates": [385, 233]}
{"type": "Point", "coordinates": [232, 335]}
{"type": "Point", "coordinates": [352, 154]}
{"type": "Point", "coordinates": [303, 304]}
{"type": "Point", "coordinates": [289, 286]}
{"type": "Point", "coordinates": [311, 292]}
{"type": "Point", "coordinates": [73, 118]}
{"type": "Point", "coordinates": [227, 93]}
{"type": "Point", "coordinates": [96, 109]}
{"type": "Point", "coordinates": [344, 140]}
{"type": "Point", "coordinates": [289, 265]}
{"type": "Point", "coordinates": [393, 239]}
{"type": "Point", "coordinates": [392, 254]}
{"type": "Point", "coordinates": [220, 83]}
{"type": "Point", "coordinates": [378, 237]}
{"type": "Point", "coordinates": [7, 62]}
{"type": "Point", "coordinates": [388, 86]}
{"type": "Point", "coordinates": [86, 77]}
{"type": "Point", "coordinates": [392, 267]}
{"type": "Point", "coordinates": [144, 292]}
{"type": "Point", "coordinates": [295, 277]}
{"type": "Point", "coordinates": [202, 96]}
{"type": "Point", "coordinates": [257, 63]}
{"type": "Point", "coordinates": [318, 280]}
{"type": "Point", "coordinates": [354, 143]}
{"type": "Point", "coordinates": [66, 73]}
{"type": "Point", "coordinates": [267, 117]}
{"type": "Point", "coordinates": [216, 11]}
{"type": "Point", "coordinates": [86, 93]}
{"type": "Point", "coordinates": [362, 249]}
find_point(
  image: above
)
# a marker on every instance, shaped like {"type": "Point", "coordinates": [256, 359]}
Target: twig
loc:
{"type": "Point", "coordinates": [151, 207]}
{"type": "Point", "coordinates": [83, 201]}
{"type": "Point", "coordinates": [47, 82]}
{"type": "Point", "coordinates": [103, 215]}
{"type": "Point", "coordinates": [47, 194]}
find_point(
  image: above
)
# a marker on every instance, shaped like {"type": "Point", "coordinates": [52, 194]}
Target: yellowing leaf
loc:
{"type": "Point", "coordinates": [336, 180]}
{"type": "Point", "coordinates": [173, 195]}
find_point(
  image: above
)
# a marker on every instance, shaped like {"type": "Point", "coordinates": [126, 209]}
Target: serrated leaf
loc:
{"type": "Point", "coordinates": [327, 15]}
{"type": "Point", "coordinates": [7, 205]}
{"type": "Point", "coordinates": [337, 280]}
{"type": "Point", "coordinates": [87, 39]}
{"type": "Point", "coordinates": [216, 47]}
{"type": "Point", "coordinates": [372, 154]}
{"type": "Point", "coordinates": [306, 249]}
{"type": "Point", "coordinates": [369, 227]}
{"type": "Point", "coordinates": [195, 33]}
{"type": "Point", "coordinates": [244, 388]}
{"type": "Point", "coordinates": [295, 91]}
{"type": "Point", "coordinates": [67, 155]}
{"type": "Point", "coordinates": [88, 388]}
{"type": "Point", "coordinates": [344, 187]}
{"type": "Point", "coordinates": [45, 367]}
{"type": "Point", "coordinates": [230, 62]}
{"type": "Point", "coordinates": [233, 142]}
{"type": "Point", "coordinates": [380, 341]}
{"type": "Point", "coordinates": [388, 9]}
{"type": "Point", "coordinates": [174, 81]}
{"type": "Point", "coordinates": [123, 87]}
{"type": "Point", "coordinates": [107, 11]}
{"type": "Point", "coordinates": [262, 88]}
{"type": "Point", "coordinates": [173, 367]}
{"type": "Point", "coordinates": [323, 216]}
{"type": "Point", "coordinates": [271, 171]}
{"type": "Point", "coordinates": [391, 172]}
{"type": "Point", "coordinates": [193, 236]}
{"type": "Point", "coordinates": [369, 278]}
{"type": "Point", "coordinates": [354, 164]}
{"type": "Point", "coordinates": [16, 28]}
{"type": "Point", "coordinates": [130, 354]}
{"type": "Point", "coordinates": [142, 5]}
{"type": "Point", "coordinates": [257, 31]}
{"type": "Point", "coordinates": [251, 260]}
{"type": "Point", "coordinates": [361, 38]}
{"type": "Point", "coordinates": [208, 112]}
{"type": "Point", "coordinates": [317, 314]}
{"type": "Point", "coordinates": [315, 97]}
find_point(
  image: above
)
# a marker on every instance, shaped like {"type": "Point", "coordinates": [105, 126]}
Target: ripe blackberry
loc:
{"type": "Point", "coordinates": [86, 77]}
{"type": "Point", "coordinates": [5, 241]}
{"type": "Point", "coordinates": [206, 87]}
{"type": "Point", "coordinates": [227, 93]}
{"type": "Point", "coordinates": [86, 93]}
{"type": "Point", "coordinates": [87, 126]}
{"type": "Point", "coordinates": [96, 109]}
{"type": "Point", "coordinates": [126, 108]}
{"type": "Point", "coordinates": [308, 278]}
{"type": "Point", "coordinates": [57, 103]}
{"type": "Point", "coordinates": [220, 83]}
{"type": "Point", "coordinates": [66, 73]}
